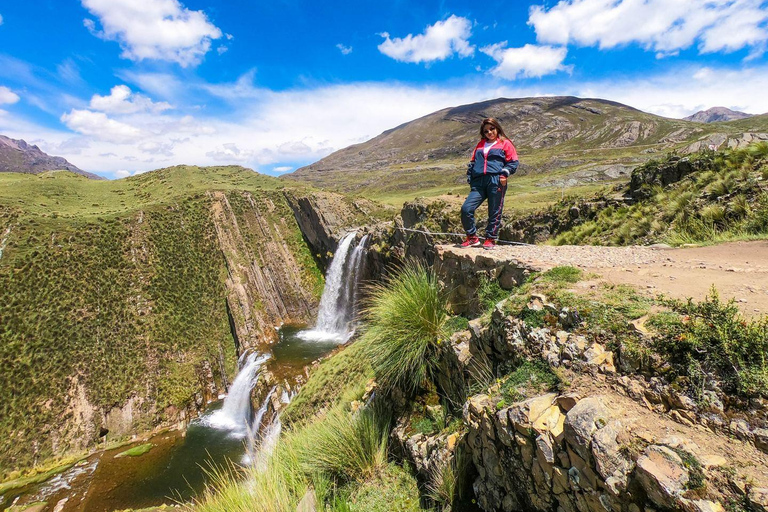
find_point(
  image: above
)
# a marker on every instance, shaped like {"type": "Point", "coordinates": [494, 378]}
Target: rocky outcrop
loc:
{"type": "Point", "coordinates": [323, 218]}
{"type": "Point", "coordinates": [266, 286]}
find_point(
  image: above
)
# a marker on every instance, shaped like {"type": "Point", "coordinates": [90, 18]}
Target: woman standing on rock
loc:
{"type": "Point", "coordinates": [494, 159]}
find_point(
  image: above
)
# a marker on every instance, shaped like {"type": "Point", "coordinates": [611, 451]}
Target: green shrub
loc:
{"type": "Point", "coordinates": [406, 325]}
{"type": "Point", "coordinates": [713, 341]}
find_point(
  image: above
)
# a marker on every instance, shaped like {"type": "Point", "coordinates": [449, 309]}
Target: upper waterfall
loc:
{"type": "Point", "coordinates": [337, 303]}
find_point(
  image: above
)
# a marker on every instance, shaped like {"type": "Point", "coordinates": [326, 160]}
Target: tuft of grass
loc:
{"type": "Point", "coordinates": [343, 446]}
{"type": "Point", "coordinates": [489, 293]}
{"type": "Point", "coordinates": [406, 327]}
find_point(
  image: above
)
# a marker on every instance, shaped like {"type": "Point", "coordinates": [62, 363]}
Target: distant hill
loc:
{"type": "Point", "coordinates": [18, 156]}
{"type": "Point", "coordinates": [562, 142]}
{"type": "Point", "coordinates": [716, 115]}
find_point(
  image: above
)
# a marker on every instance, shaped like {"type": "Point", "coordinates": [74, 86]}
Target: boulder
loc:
{"type": "Point", "coordinates": [606, 450]}
{"type": "Point", "coordinates": [662, 475]}
{"type": "Point", "coordinates": [582, 421]}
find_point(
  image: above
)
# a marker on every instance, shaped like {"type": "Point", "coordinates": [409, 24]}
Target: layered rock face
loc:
{"type": "Point", "coordinates": [266, 285]}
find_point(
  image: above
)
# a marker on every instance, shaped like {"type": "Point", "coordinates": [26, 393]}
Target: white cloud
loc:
{"type": "Point", "coordinates": [101, 127]}
{"type": "Point", "coordinates": [122, 101]}
{"type": "Point", "coordinates": [282, 169]}
{"type": "Point", "coordinates": [438, 42]}
{"type": "Point", "coordinates": [345, 50]}
{"type": "Point", "coordinates": [122, 173]}
{"type": "Point", "coordinates": [153, 29]}
{"type": "Point", "coordinates": [7, 96]}
{"type": "Point", "coordinates": [663, 26]}
{"type": "Point", "coordinates": [528, 61]}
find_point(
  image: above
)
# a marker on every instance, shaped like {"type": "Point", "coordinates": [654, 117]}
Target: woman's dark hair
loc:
{"type": "Point", "coordinates": [493, 122]}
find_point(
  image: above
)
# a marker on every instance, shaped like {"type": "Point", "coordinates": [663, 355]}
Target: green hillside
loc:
{"type": "Point", "coordinates": [114, 292]}
{"type": "Point", "coordinates": [562, 142]}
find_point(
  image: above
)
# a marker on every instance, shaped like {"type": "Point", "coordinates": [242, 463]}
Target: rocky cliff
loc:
{"type": "Point", "coordinates": [616, 437]}
{"type": "Point", "coordinates": [118, 319]}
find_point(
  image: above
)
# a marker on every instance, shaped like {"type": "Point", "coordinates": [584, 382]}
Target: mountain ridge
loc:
{"type": "Point", "coordinates": [16, 155]}
{"type": "Point", "coordinates": [716, 115]}
{"type": "Point", "coordinates": [559, 139]}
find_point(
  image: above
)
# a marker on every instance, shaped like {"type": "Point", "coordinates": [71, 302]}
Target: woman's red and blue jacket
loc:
{"type": "Point", "coordinates": [501, 159]}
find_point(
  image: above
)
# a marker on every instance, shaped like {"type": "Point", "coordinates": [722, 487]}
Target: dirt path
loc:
{"type": "Point", "coordinates": [738, 270]}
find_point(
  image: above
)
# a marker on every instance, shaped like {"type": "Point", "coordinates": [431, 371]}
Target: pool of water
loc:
{"type": "Point", "coordinates": [179, 464]}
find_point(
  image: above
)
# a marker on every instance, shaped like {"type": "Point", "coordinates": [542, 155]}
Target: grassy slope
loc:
{"type": "Point", "coordinates": [427, 157]}
{"type": "Point", "coordinates": [114, 286]}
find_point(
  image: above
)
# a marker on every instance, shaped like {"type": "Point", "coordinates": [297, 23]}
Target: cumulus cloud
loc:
{"type": "Point", "coordinates": [529, 61]}
{"type": "Point", "coordinates": [438, 42]}
{"type": "Point", "coordinates": [121, 100]}
{"type": "Point", "coordinates": [7, 96]}
{"type": "Point", "coordinates": [282, 169]}
{"type": "Point", "coordinates": [153, 29]}
{"type": "Point", "coordinates": [345, 50]}
{"type": "Point", "coordinates": [101, 127]}
{"type": "Point", "coordinates": [664, 26]}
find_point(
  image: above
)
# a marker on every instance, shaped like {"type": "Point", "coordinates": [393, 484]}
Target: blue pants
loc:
{"type": "Point", "coordinates": [482, 188]}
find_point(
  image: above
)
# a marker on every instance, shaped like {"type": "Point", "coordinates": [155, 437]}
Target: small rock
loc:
{"type": "Point", "coordinates": [761, 439]}
{"type": "Point", "coordinates": [740, 428]}
{"type": "Point", "coordinates": [758, 498]}
{"type": "Point", "coordinates": [308, 503]}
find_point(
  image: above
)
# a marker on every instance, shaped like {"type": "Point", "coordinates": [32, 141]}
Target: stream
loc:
{"type": "Point", "coordinates": [179, 464]}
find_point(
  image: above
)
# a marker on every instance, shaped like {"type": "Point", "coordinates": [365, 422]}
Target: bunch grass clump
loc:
{"type": "Point", "coordinates": [406, 325]}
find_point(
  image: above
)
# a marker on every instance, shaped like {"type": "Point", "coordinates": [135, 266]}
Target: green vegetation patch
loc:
{"type": "Point", "coordinates": [712, 343]}
{"type": "Point", "coordinates": [339, 378]}
{"type": "Point", "coordinates": [720, 199]}
{"type": "Point", "coordinates": [531, 378]}
{"type": "Point", "coordinates": [136, 451]}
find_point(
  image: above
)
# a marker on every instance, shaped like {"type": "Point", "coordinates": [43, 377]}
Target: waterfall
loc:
{"type": "Point", "coordinates": [337, 302]}
{"type": "Point", "coordinates": [235, 413]}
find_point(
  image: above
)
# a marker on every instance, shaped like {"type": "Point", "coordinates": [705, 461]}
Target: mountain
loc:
{"type": "Point", "coordinates": [716, 115]}
{"type": "Point", "coordinates": [562, 141]}
{"type": "Point", "coordinates": [18, 156]}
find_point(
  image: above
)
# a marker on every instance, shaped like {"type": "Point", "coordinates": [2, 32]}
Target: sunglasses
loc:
{"type": "Point", "coordinates": [489, 130]}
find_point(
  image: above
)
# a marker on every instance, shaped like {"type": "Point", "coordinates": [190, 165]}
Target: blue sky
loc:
{"type": "Point", "coordinates": [120, 87]}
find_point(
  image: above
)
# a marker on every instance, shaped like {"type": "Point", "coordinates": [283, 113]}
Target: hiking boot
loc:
{"type": "Point", "coordinates": [489, 244]}
{"type": "Point", "coordinates": [471, 241]}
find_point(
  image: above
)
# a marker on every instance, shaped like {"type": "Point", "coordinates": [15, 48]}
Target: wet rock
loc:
{"type": "Point", "coordinates": [662, 475]}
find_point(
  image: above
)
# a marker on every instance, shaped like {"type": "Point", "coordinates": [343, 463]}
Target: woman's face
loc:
{"type": "Point", "coordinates": [489, 132]}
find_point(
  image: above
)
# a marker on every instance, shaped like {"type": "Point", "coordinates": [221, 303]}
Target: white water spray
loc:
{"type": "Point", "coordinates": [337, 302]}
{"type": "Point", "coordinates": [235, 413]}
